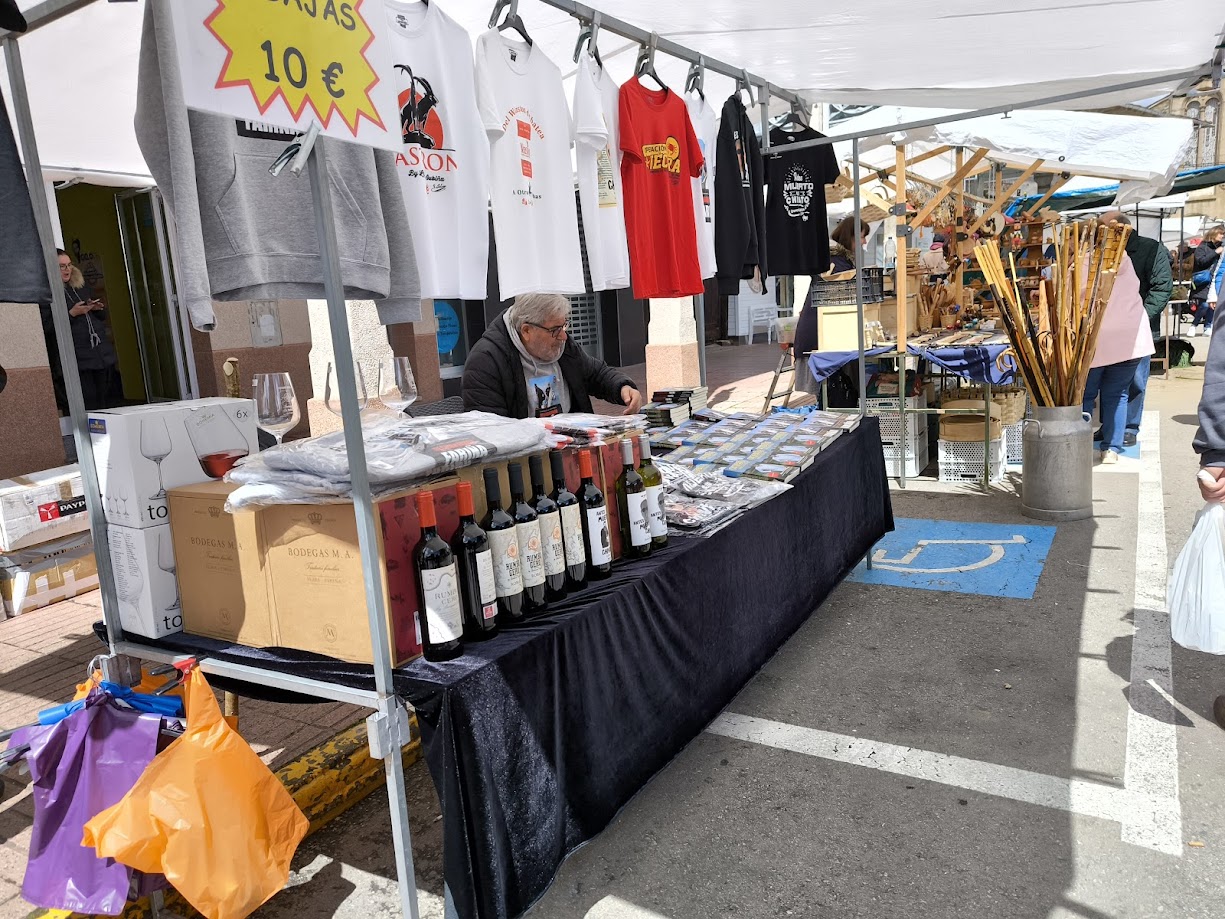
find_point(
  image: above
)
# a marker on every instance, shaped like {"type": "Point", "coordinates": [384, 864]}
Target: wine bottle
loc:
{"type": "Point", "coordinates": [632, 503]}
{"type": "Point", "coordinates": [653, 479]}
{"type": "Point", "coordinates": [549, 516]}
{"type": "Point", "coordinates": [499, 527]}
{"type": "Point", "coordinates": [441, 616]}
{"type": "Point", "coordinates": [595, 522]}
{"type": "Point", "coordinates": [480, 591]}
{"type": "Point", "coordinates": [571, 524]}
{"type": "Point", "coordinates": [531, 548]}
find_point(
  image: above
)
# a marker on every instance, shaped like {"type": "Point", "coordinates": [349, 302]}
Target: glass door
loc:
{"type": "Point", "coordinates": [159, 328]}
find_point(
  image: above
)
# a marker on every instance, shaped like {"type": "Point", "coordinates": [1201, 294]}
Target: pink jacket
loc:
{"type": "Point", "coordinates": [1125, 329]}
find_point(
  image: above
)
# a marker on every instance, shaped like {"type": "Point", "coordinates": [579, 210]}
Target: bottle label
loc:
{"type": "Point", "coordinates": [485, 579]}
{"type": "Point", "coordinates": [554, 547]}
{"type": "Point", "coordinates": [443, 611]}
{"type": "Point", "coordinates": [601, 544]}
{"type": "Point", "coordinates": [531, 550]}
{"type": "Point", "coordinates": [507, 572]}
{"type": "Point", "coordinates": [655, 505]}
{"type": "Point", "coordinates": [572, 534]}
{"type": "Point", "coordinates": [639, 513]}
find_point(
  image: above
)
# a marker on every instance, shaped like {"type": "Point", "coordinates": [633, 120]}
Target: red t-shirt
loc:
{"type": "Point", "coordinates": [661, 156]}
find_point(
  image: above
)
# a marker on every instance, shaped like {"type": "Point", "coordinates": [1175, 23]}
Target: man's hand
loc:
{"type": "Point", "coordinates": [80, 309]}
{"type": "Point", "coordinates": [632, 399]}
{"type": "Point", "coordinates": [1214, 491]}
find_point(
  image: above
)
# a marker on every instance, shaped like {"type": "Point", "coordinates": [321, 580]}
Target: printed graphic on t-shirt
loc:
{"type": "Point", "coordinates": [548, 399]}
{"type": "Point", "coordinates": [798, 189]}
{"type": "Point", "coordinates": [426, 155]}
{"type": "Point", "coordinates": [705, 179]}
{"type": "Point", "coordinates": [665, 157]}
{"type": "Point", "coordinates": [526, 130]}
{"type": "Point", "coordinates": [745, 180]}
{"type": "Point", "coordinates": [606, 177]}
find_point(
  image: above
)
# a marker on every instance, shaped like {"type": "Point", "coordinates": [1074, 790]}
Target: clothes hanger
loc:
{"type": "Point", "coordinates": [742, 83]}
{"type": "Point", "coordinates": [796, 118]}
{"type": "Point", "coordinates": [645, 66]}
{"type": "Point", "coordinates": [696, 79]}
{"type": "Point", "coordinates": [589, 34]}
{"type": "Point", "coordinates": [512, 20]}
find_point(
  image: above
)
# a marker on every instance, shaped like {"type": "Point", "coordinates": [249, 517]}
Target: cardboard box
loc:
{"type": "Point", "coordinates": [220, 567]}
{"type": "Point", "coordinates": [142, 451]}
{"type": "Point", "coordinates": [40, 507]}
{"type": "Point", "coordinates": [313, 568]}
{"type": "Point", "coordinates": [50, 572]}
{"type": "Point", "coordinates": [145, 580]}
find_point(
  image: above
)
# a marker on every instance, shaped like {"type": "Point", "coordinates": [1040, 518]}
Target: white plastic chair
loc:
{"type": "Point", "coordinates": [766, 314]}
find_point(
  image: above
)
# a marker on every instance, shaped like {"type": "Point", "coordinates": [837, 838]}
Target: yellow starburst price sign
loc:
{"type": "Point", "coordinates": [289, 63]}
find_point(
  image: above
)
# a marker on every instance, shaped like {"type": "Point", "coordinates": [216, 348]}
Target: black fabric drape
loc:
{"type": "Point", "coordinates": [536, 738]}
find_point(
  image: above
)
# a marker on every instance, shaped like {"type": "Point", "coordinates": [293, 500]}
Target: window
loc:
{"type": "Point", "coordinates": [1193, 111]}
{"type": "Point", "coordinates": [1208, 134]}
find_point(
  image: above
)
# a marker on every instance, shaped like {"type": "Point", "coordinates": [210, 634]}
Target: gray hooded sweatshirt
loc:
{"type": "Point", "coordinates": [537, 374]}
{"type": "Point", "coordinates": [243, 234]}
{"type": "Point", "coordinates": [1210, 438]}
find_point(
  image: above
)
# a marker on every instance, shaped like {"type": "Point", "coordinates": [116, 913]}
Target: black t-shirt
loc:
{"type": "Point", "coordinates": [796, 223]}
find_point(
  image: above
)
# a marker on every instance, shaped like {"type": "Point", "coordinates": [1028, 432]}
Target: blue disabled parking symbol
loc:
{"type": "Point", "coordinates": [993, 559]}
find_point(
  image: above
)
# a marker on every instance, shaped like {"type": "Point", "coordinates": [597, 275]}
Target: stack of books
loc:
{"type": "Point", "coordinates": [694, 397]}
{"type": "Point", "coordinates": [666, 414]}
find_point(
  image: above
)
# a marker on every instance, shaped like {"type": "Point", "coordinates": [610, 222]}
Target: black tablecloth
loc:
{"type": "Point", "coordinates": [536, 738]}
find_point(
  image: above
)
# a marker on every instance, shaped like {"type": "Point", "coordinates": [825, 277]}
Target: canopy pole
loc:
{"type": "Point", "coordinates": [904, 229]}
{"type": "Point", "coordinates": [67, 352]}
{"type": "Point", "coordinates": [859, 258]}
{"type": "Point", "coordinates": [960, 234]}
{"type": "Point", "coordinates": [389, 726]}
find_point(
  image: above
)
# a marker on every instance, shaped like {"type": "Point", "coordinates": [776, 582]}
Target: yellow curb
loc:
{"type": "Point", "coordinates": [325, 781]}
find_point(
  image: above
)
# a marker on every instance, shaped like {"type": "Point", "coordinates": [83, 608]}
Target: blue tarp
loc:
{"type": "Point", "coordinates": [976, 363]}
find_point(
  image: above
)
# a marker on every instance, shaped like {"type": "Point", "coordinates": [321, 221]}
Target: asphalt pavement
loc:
{"type": "Point", "coordinates": [938, 752]}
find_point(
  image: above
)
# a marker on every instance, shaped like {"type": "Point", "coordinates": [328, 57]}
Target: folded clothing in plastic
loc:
{"type": "Point", "coordinates": [400, 452]}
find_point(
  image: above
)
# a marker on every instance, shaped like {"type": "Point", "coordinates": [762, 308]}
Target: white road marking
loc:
{"type": "Point", "coordinates": [881, 560]}
{"type": "Point", "coordinates": [1091, 799]}
{"type": "Point", "coordinates": [1151, 769]}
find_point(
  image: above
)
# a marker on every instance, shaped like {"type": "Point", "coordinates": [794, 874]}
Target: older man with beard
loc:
{"type": "Point", "coordinates": [525, 365]}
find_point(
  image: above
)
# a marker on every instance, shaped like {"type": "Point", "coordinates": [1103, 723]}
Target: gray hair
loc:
{"type": "Point", "coordinates": [1114, 217]}
{"type": "Point", "coordinates": [537, 309]}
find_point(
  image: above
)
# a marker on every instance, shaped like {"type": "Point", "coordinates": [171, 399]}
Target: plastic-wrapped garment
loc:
{"type": "Point", "coordinates": [81, 766]}
{"type": "Point", "coordinates": [400, 451]}
{"type": "Point", "coordinates": [1196, 597]}
{"type": "Point", "coordinates": [741, 492]}
{"type": "Point", "coordinates": [208, 814]}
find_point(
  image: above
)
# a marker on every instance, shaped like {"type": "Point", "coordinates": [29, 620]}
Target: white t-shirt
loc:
{"type": "Point", "coordinates": [535, 217]}
{"type": "Point", "coordinates": [706, 127]}
{"type": "Point", "coordinates": [444, 166]}
{"type": "Point", "coordinates": [599, 176]}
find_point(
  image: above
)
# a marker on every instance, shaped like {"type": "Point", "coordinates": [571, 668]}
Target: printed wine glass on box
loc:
{"type": "Point", "coordinates": [217, 441]}
{"type": "Point", "coordinates": [155, 445]}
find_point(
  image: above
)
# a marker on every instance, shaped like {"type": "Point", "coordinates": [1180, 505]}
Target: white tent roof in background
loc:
{"type": "Point", "coordinates": [81, 70]}
{"type": "Point", "coordinates": [1144, 154]}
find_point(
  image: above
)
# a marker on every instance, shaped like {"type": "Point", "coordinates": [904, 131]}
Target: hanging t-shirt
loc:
{"type": "Point", "coordinates": [598, 158]}
{"type": "Point", "coordinates": [796, 222]}
{"type": "Point", "coordinates": [661, 155]}
{"type": "Point", "coordinates": [444, 167]}
{"type": "Point", "coordinates": [23, 273]}
{"type": "Point", "coordinates": [535, 216]}
{"type": "Point", "coordinates": [706, 128]}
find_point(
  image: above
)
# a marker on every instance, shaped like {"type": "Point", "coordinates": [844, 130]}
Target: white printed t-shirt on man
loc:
{"type": "Point", "coordinates": [444, 166]}
{"type": "Point", "coordinates": [535, 217]}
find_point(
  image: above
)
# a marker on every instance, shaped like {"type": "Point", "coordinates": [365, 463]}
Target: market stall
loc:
{"type": "Point", "coordinates": [671, 608]}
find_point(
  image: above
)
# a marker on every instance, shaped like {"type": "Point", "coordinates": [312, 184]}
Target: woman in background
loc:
{"type": "Point", "coordinates": [91, 339]}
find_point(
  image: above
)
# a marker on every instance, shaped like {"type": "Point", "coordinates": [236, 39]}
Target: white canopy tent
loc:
{"type": "Point", "coordinates": [1144, 154]}
{"type": "Point", "coordinates": [81, 69]}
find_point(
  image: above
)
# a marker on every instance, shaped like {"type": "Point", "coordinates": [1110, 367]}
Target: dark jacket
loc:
{"type": "Point", "coordinates": [90, 336]}
{"type": "Point", "coordinates": [1210, 438]}
{"type": "Point", "coordinates": [493, 376]}
{"type": "Point", "coordinates": [740, 201]}
{"type": "Point", "coordinates": [1205, 257]}
{"type": "Point", "coordinates": [1152, 264]}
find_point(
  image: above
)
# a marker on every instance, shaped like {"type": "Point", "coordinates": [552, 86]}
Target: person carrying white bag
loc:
{"type": "Point", "coordinates": [1196, 597]}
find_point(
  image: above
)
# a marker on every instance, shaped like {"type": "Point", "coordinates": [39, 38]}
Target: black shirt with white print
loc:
{"type": "Point", "coordinates": [796, 222]}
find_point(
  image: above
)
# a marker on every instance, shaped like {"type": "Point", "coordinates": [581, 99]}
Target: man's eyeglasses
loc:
{"type": "Point", "coordinates": [554, 330]}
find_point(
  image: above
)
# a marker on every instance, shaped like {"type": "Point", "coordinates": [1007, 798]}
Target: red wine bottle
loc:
{"type": "Point", "coordinates": [549, 516]}
{"type": "Point", "coordinates": [480, 592]}
{"type": "Point", "coordinates": [571, 524]}
{"type": "Point", "coordinates": [499, 527]}
{"type": "Point", "coordinates": [440, 614]}
{"type": "Point", "coordinates": [595, 522]}
{"type": "Point", "coordinates": [632, 503]}
{"type": "Point", "coordinates": [531, 546]}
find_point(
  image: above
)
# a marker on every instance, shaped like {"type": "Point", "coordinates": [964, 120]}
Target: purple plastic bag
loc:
{"type": "Point", "coordinates": [81, 766]}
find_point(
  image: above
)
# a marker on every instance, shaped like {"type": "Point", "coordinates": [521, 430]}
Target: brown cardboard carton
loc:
{"type": "Point", "coordinates": [314, 572]}
{"type": "Point", "coordinates": [47, 573]}
{"type": "Point", "coordinates": [222, 588]}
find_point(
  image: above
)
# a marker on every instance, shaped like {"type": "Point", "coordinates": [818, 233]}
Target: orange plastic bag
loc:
{"type": "Point", "coordinates": [208, 814]}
